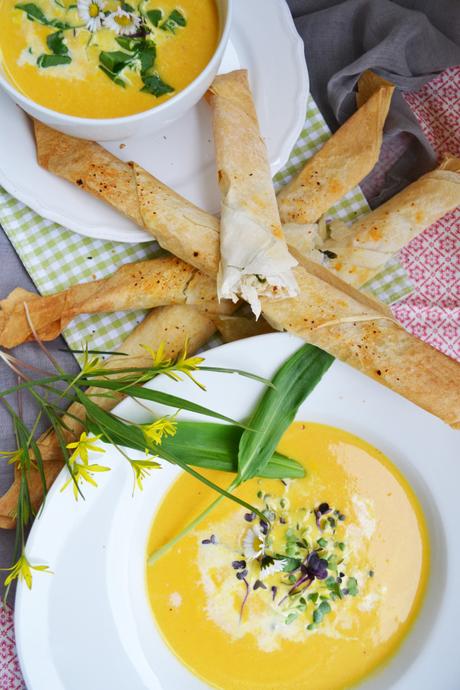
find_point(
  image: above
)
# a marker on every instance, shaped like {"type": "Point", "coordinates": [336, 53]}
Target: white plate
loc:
{"type": "Point", "coordinates": [263, 40]}
{"type": "Point", "coordinates": [89, 624]}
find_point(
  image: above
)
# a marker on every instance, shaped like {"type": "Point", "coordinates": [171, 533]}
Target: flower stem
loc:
{"type": "Point", "coordinates": [191, 526]}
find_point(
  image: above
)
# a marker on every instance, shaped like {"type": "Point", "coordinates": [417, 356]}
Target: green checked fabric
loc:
{"type": "Point", "coordinates": [56, 258]}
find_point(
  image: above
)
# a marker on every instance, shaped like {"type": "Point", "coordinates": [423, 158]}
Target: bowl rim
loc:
{"type": "Point", "coordinates": [63, 119]}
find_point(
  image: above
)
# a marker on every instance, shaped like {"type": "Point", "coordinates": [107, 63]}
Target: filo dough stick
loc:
{"type": "Point", "coordinates": [194, 235]}
{"type": "Point", "coordinates": [254, 258]}
{"type": "Point", "coordinates": [141, 285]}
{"type": "Point", "coordinates": [362, 250]}
{"type": "Point", "coordinates": [344, 160]}
{"type": "Point", "coordinates": [388, 350]}
{"type": "Point", "coordinates": [172, 326]}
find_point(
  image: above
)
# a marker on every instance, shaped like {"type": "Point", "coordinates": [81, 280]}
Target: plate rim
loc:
{"type": "Point", "coordinates": [260, 344]}
{"type": "Point", "coordinates": [134, 234]}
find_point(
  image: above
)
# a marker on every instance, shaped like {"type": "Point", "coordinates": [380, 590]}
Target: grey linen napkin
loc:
{"type": "Point", "coordinates": [406, 41]}
{"type": "Point", "coordinates": [13, 275]}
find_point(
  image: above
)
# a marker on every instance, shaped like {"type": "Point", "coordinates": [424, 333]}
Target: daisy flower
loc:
{"type": "Point", "coordinates": [92, 13]}
{"type": "Point", "coordinates": [122, 22]}
{"type": "Point", "coordinates": [254, 543]}
{"type": "Point", "coordinates": [270, 566]}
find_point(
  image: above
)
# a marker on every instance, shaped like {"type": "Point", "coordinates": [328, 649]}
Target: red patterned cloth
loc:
{"type": "Point", "coordinates": [432, 260]}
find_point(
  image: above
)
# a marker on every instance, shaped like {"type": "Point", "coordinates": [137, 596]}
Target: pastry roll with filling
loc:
{"type": "Point", "coordinates": [254, 258]}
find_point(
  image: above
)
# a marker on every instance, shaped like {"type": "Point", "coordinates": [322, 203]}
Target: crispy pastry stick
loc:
{"type": "Point", "coordinates": [344, 160]}
{"type": "Point", "coordinates": [169, 325]}
{"type": "Point", "coordinates": [141, 285]}
{"type": "Point", "coordinates": [367, 245]}
{"type": "Point", "coordinates": [352, 325]}
{"type": "Point", "coordinates": [193, 235]}
{"type": "Point", "coordinates": [254, 258]}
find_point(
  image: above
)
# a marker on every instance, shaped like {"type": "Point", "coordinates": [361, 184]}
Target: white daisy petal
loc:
{"type": "Point", "coordinates": [92, 13]}
{"type": "Point", "coordinates": [122, 22]}
{"type": "Point", "coordinates": [276, 567]}
{"type": "Point", "coordinates": [253, 543]}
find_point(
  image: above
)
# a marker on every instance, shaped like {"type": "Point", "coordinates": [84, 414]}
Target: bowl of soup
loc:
{"type": "Point", "coordinates": [106, 70]}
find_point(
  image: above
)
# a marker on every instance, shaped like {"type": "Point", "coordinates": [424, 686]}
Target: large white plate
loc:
{"type": "Point", "coordinates": [89, 624]}
{"type": "Point", "coordinates": [263, 40]}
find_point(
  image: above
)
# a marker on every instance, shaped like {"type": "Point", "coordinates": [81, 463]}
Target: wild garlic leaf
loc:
{"type": "Point", "coordinates": [155, 85]}
{"type": "Point", "coordinates": [35, 14]}
{"type": "Point", "coordinates": [175, 20]}
{"type": "Point", "coordinates": [45, 60]}
{"type": "Point", "coordinates": [155, 16]}
{"type": "Point", "coordinates": [277, 408]}
{"type": "Point", "coordinates": [147, 56]}
{"type": "Point", "coordinates": [126, 7]}
{"type": "Point", "coordinates": [55, 43]}
{"type": "Point", "coordinates": [114, 77]}
{"type": "Point", "coordinates": [160, 397]}
{"type": "Point", "coordinates": [114, 61]}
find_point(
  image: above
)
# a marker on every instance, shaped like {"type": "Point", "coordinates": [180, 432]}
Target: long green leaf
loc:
{"type": "Point", "coordinates": [159, 397]}
{"type": "Point", "coordinates": [202, 444]}
{"type": "Point", "coordinates": [276, 410]}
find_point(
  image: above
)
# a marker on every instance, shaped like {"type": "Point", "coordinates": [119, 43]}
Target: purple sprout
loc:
{"type": "Point", "coordinates": [264, 527]}
{"type": "Point", "coordinates": [249, 517]}
{"type": "Point", "coordinates": [322, 509]}
{"type": "Point", "coordinates": [274, 590]}
{"type": "Point", "coordinates": [239, 565]}
{"type": "Point", "coordinates": [241, 574]}
{"type": "Point", "coordinates": [258, 584]}
{"type": "Point", "coordinates": [212, 540]}
{"type": "Point", "coordinates": [316, 567]}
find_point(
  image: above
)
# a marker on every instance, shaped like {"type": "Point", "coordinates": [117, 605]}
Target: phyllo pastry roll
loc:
{"type": "Point", "coordinates": [254, 258]}
{"type": "Point", "coordinates": [359, 252]}
{"type": "Point", "coordinates": [344, 160]}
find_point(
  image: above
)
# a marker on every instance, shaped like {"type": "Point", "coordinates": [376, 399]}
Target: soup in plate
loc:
{"type": "Point", "coordinates": [104, 58]}
{"type": "Point", "coordinates": [318, 596]}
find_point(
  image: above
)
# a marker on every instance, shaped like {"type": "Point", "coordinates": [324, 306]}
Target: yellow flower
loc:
{"type": "Point", "coordinates": [165, 426]}
{"type": "Point", "coordinates": [82, 446]}
{"type": "Point", "coordinates": [142, 469]}
{"type": "Point", "coordinates": [159, 360]}
{"type": "Point", "coordinates": [14, 456]}
{"type": "Point", "coordinates": [22, 570]}
{"type": "Point", "coordinates": [82, 471]}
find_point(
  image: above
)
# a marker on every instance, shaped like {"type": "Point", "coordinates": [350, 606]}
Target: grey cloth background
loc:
{"type": "Point", "coordinates": [12, 275]}
{"type": "Point", "coordinates": [407, 41]}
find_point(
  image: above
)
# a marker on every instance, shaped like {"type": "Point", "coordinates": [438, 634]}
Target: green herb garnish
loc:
{"type": "Point", "coordinates": [46, 60]}
{"type": "Point", "coordinates": [35, 14]}
{"type": "Point", "coordinates": [175, 21]}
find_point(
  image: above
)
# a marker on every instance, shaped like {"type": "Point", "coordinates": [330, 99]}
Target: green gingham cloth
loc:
{"type": "Point", "coordinates": [56, 258]}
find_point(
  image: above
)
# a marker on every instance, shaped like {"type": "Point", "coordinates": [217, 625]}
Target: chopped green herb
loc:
{"type": "Point", "coordinates": [35, 14]}
{"type": "Point", "coordinates": [320, 612]}
{"type": "Point", "coordinates": [155, 16]}
{"type": "Point", "coordinates": [114, 77]}
{"type": "Point", "coordinates": [341, 545]}
{"type": "Point", "coordinates": [322, 542]}
{"type": "Point", "coordinates": [352, 586]}
{"type": "Point", "coordinates": [155, 85]}
{"type": "Point", "coordinates": [115, 61]}
{"type": "Point", "coordinates": [291, 618]}
{"type": "Point", "coordinates": [45, 61]}
{"type": "Point", "coordinates": [313, 597]}
{"type": "Point", "coordinates": [175, 20]}
{"type": "Point", "coordinates": [55, 43]}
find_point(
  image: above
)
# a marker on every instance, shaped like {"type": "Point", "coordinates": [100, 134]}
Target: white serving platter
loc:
{"type": "Point", "coordinates": [89, 625]}
{"type": "Point", "coordinates": [264, 40]}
